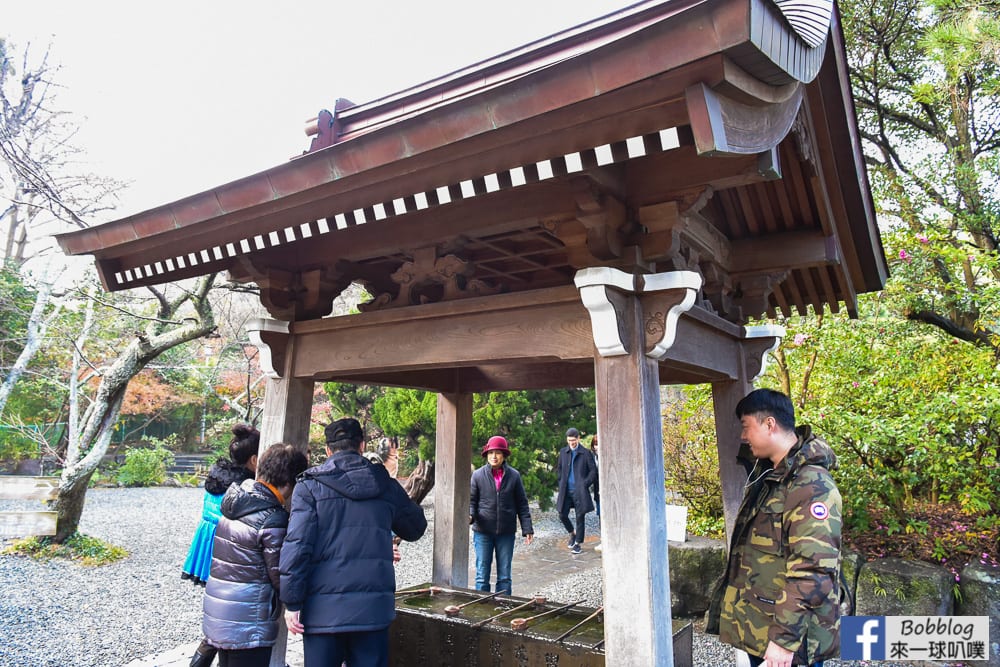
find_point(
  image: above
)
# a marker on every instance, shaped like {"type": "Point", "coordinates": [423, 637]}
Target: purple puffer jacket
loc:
{"type": "Point", "coordinates": [241, 607]}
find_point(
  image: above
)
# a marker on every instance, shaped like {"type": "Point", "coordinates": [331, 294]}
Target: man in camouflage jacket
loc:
{"type": "Point", "coordinates": [779, 597]}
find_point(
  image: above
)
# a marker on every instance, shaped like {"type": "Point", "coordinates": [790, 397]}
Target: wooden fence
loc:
{"type": "Point", "coordinates": [27, 523]}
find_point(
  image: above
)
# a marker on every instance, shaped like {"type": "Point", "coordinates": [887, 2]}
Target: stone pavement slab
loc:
{"type": "Point", "coordinates": [546, 562]}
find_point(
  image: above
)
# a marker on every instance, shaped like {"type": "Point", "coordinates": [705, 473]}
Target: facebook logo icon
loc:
{"type": "Point", "coordinates": [862, 637]}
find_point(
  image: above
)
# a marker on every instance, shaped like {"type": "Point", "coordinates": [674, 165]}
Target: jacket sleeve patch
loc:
{"type": "Point", "coordinates": [819, 511]}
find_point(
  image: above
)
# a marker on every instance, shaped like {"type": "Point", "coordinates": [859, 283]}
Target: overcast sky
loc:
{"type": "Point", "coordinates": [182, 96]}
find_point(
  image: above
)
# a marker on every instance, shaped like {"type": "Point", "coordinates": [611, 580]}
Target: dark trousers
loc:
{"type": "Point", "coordinates": [248, 657]}
{"type": "Point", "coordinates": [581, 518]}
{"type": "Point", "coordinates": [353, 649]}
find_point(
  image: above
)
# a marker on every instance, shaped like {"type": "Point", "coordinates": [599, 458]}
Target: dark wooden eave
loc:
{"type": "Point", "coordinates": [673, 135]}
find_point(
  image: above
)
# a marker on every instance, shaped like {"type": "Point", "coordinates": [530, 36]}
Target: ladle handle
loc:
{"type": "Point", "coordinates": [509, 611]}
{"type": "Point", "coordinates": [578, 625]}
{"type": "Point", "coordinates": [550, 611]}
{"type": "Point", "coordinates": [482, 599]}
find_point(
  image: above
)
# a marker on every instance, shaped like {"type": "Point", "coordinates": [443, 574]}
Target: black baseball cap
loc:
{"type": "Point", "coordinates": [344, 429]}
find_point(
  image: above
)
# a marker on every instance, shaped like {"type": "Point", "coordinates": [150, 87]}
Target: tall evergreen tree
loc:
{"type": "Point", "coordinates": [925, 81]}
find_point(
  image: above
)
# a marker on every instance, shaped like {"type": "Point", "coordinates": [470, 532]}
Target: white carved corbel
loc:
{"type": "Point", "coordinates": [266, 334]}
{"type": "Point", "coordinates": [683, 287]}
{"type": "Point", "coordinates": [768, 337]}
{"type": "Point", "coordinates": [602, 290]}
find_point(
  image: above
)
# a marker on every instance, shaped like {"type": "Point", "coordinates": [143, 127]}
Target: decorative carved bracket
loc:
{"type": "Point", "coordinates": [758, 342]}
{"type": "Point", "coordinates": [601, 231]}
{"type": "Point", "coordinates": [804, 142]}
{"type": "Point", "coordinates": [303, 295]}
{"type": "Point", "coordinates": [603, 291]}
{"type": "Point", "coordinates": [603, 216]}
{"type": "Point", "coordinates": [718, 291]}
{"type": "Point", "coordinates": [682, 239]}
{"type": "Point", "coordinates": [664, 296]}
{"type": "Point", "coordinates": [429, 278]}
{"type": "Point", "coordinates": [271, 339]}
{"type": "Point", "coordinates": [752, 290]}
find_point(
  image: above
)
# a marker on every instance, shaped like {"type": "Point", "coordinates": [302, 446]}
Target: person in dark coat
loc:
{"type": "Point", "coordinates": [240, 466]}
{"type": "Point", "coordinates": [496, 502]}
{"type": "Point", "coordinates": [577, 472]}
{"type": "Point", "coordinates": [337, 575]}
{"type": "Point", "coordinates": [241, 607]}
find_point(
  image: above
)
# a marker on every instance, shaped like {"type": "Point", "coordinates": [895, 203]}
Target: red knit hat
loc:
{"type": "Point", "coordinates": [497, 443]}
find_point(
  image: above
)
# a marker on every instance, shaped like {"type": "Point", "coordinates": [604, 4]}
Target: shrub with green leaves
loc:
{"type": "Point", "coordinates": [188, 479]}
{"type": "Point", "coordinates": [913, 414]}
{"type": "Point", "coordinates": [78, 547]}
{"type": "Point", "coordinates": [145, 467]}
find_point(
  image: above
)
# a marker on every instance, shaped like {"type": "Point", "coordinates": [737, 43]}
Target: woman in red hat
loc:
{"type": "Point", "coordinates": [497, 502]}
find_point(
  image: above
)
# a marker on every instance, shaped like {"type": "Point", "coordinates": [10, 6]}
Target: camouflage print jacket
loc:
{"type": "Point", "coordinates": [782, 580]}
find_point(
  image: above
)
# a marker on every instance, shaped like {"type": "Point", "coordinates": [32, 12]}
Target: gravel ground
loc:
{"type": "Point", "coordinates": [56, 614]}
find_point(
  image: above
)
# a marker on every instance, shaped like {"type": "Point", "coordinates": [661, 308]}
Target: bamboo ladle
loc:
{"type": "Point", "coordinates": [453, 610]}
{"type": "Point", "coordinates": [523, 623]}
{"type": "Point", "coordinates": [536, 600]}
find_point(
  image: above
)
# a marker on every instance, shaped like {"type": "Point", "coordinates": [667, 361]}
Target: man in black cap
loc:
{"type": "Point", "coordinates": [577, 473]}
{"type": "Point", "coordinates": [337, 575]}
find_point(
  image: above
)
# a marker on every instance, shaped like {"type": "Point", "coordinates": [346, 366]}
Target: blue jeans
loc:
{"type": "Point", "coordinates": [486, 545]}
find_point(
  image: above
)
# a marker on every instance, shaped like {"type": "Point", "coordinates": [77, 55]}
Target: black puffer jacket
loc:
{"type": "Point", "coordinates": [223, 473]}
{"type": "Point", "coordinates": [495, 512]}
{"type": "Point", "coordinates": [336, 566]}
{"type": "Point", "coordinates": [241, 606]}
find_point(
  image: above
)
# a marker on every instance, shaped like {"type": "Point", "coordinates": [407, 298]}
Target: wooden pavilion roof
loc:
{"type": "Point", "coordinates": [716, 136]}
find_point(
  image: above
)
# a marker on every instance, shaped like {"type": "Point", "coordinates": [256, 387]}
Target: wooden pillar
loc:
{"type": "Point", "coordinates": [287, 400]}
{"type": "Point", "coordinates": [725, 396]}
{"type": "Point", "coordinates": [453, 460]}
{"type": "Point", "coordinates": [637, 623]}
{"type": "Point", "coordinates": [757, 343]}
{"type": "Point", "coordinates": [287, 408]}
{"type": "Point", "coordinates": [638, 628]}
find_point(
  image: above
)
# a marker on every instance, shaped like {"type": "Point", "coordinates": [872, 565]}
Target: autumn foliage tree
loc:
{"type": "Point", "coordinates": [150, 396]}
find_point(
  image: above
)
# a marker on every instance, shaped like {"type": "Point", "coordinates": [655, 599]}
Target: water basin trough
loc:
{"type": "Point", "coordinates": [482, 632]}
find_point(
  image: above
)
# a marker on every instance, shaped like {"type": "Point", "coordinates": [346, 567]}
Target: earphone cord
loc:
{"type": "Point", "coordinates": [750, 480]}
